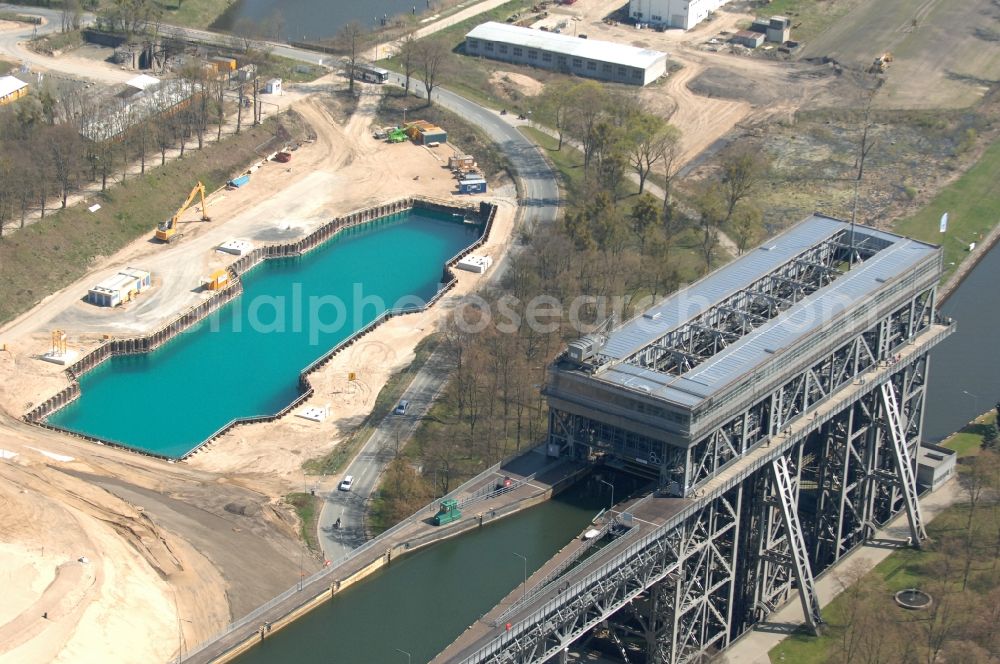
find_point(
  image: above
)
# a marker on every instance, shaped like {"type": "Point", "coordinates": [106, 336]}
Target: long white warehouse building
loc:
{"type": "Point", "coordinates": [603, 60]}
{"type": "Point", "coordinates": [684, 14]}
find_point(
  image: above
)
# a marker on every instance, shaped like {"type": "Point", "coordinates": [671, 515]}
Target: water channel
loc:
{"type": "Point", "coordinates": [317, 19]}
{"type": "Point", "coordinates": [245, 359]}
{"type": "Point", "coordinates": [424, 602]}
{"type": "Point", "coordinates": [965, 367]}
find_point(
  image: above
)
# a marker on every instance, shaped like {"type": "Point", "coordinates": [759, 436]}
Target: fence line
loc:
{"type": "Point", "coordinates": [485, 214]}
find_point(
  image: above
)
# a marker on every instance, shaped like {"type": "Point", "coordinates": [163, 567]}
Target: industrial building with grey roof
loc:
{"type": "Point", "coordinates": [619, 63]}
{"type": "Point", "coordinates": [738, 342]}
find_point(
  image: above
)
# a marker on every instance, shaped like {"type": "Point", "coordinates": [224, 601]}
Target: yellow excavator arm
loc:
{"type": "Point", "coordinates": [165, 230]}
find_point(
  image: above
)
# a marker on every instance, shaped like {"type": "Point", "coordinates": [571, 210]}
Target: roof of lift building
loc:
{"type": "Point", "coordinates": [745, 354]}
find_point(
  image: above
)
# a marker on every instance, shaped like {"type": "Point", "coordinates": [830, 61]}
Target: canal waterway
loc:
{"type": "Point", "coordinates": [425, 600]}
{"type": "Point", "coordinates": [317, 19]}
{"type": "Point", "coordinates": [965, 367]}
{"type": "Point", "coordinates": [245, 359]}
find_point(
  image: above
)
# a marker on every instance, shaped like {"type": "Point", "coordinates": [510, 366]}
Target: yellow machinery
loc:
{"type": "Point", "coordinates": [166, 231]}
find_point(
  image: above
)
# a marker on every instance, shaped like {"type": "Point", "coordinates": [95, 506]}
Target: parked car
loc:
{"type": "Point", "coordinates": [346, 483]}
{"type": "Point", "coordinates": [401, 408]}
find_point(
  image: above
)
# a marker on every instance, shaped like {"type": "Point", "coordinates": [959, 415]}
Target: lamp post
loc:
{"type": "Point", "coordinates": [524, 583]}
{"type": "Point", "coordinates": [408, 658]}
{"type": "Point", "coordinates": [404, 115]}
{"type": "Point", "coordinates": [612, 491]}
{"type": "Point", "coordinates": [975, 401]}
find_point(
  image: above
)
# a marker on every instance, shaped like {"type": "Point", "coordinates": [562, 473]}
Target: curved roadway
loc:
{"type": "Point", "coordinates": [539, 198]}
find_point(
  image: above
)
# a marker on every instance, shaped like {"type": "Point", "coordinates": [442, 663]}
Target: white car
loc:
{"type": "Point", "coordinates": [346, 483]}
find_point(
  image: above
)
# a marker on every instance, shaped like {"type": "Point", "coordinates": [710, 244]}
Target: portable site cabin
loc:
{"type": "Point", "coordinates": [472, 186]}
{"type": "Point", "coordinates": [11, 89]}
{"type": "Point", "coordinates": [223, 64]}
{"type": "Point", "coordinates": [120, 288]}
{"type": "Point", "coordinates": [461, 161]}
{"type": "Point", "coordinates": [216, 281]}
{"type": "Point", "coordinates": [748, 38]}
{"type": "Point", "coordinates": [273, 87]}
{"type": "Point", "coordinates": [423, 132]}
{"type": "Point", "coordinates": [473, 263]}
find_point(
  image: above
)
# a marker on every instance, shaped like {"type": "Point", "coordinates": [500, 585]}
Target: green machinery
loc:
{"type": "Point", "coordinates": [398, 135]}
{"type": "Point", "coordinates": [449, 512]}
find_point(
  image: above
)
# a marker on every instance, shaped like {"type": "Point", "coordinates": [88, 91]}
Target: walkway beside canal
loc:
{"type": "Point", "coordinates": [497, 492]}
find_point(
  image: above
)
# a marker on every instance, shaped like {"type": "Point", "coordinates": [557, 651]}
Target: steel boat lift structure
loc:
{"type": "Point", "coordinates": [777, 403]}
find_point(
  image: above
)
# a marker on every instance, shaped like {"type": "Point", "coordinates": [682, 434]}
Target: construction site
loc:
{"type": "Point", "coordinates": [332, 170]}
{"type": "Point", "coordinates": [757, 427]}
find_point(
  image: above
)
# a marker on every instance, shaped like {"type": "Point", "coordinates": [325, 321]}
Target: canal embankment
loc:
{"type": "Point", "coordinates": [496, 493]}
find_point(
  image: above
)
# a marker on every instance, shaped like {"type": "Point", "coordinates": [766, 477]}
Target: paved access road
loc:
{"type": "Point", "coordinates": [378, 451]}
{"type": "Point", "coordinates": [539, 199]}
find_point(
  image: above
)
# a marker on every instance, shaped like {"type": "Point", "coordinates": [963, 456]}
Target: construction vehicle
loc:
{"type": "Point", "coordinates": [881, 63]}
{"type": "Point", "coordinates": [166, 231]}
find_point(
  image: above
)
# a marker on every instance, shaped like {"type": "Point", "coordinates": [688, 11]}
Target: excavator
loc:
{"type": "Point", "coordinates": [881, 63]}
{"type": "Point", "coordinates": [166, 231]}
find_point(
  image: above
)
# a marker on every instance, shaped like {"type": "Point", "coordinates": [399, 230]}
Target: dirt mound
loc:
{"type": "Point", "coordinates": [514, 86]}
{"type": "Point", "coordinates": [243, 509]}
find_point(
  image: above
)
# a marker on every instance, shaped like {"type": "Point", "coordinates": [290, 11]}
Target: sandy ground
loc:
{"type": "Point", "coordinates": [168, 544]}
{"type": "Point", "coordinates": [512, 81]}
{"type": "Point", "coordinates": [13, 36]}
{"type": "Point", "coordinates": [755, 87]}
{"type": "Point", "coordinates": [946, 54]}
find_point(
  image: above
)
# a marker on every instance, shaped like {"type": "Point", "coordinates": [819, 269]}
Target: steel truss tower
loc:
{"type": "Point", "coordinates": [777, 404]}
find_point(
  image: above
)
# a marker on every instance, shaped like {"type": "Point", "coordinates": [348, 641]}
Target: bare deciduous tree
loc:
{"type": "Point", "coordinates": [408, 59]}
{"type": "Point", "coordinates": [432, 54]}
{"type": "Point", "coordinates": [349, 41]}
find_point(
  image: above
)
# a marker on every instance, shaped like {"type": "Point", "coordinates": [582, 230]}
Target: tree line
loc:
{"type": "Point", "coordinates": [616, 249]}
{"type": "Point", "coordinates": [55, 141]}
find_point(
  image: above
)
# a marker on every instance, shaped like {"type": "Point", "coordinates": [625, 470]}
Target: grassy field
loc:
{"type": "Point", "coordinates": [292, 71]}
{"type": "Point", "coordinates": [809, 17]}
{"type": "Point", "coordinates": [386, 400]}
{"type": "Point", "coordinates": [49, 255]}
{"type": "Point", "coordinates": [905, 568]}
{"type": "Point", "coordinates": [467, 76]}
{"type": "Point", "coordinates": [968, 441]}
{"type": "Point", "coordinates": [973, 206]}
{"type": "Point", "coordinates": [308, 507]}
{"type": "Point", "coordinates": [568, 161]}
{"type": "Point", "coordinates": [192, 13]}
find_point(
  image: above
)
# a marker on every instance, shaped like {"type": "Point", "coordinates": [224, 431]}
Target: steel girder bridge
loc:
{"type": "Point", "coordinates": [777, 403]}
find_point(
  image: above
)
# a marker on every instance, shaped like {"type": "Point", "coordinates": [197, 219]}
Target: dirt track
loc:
{"type": "Point", "coordinates": [946, 53]}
